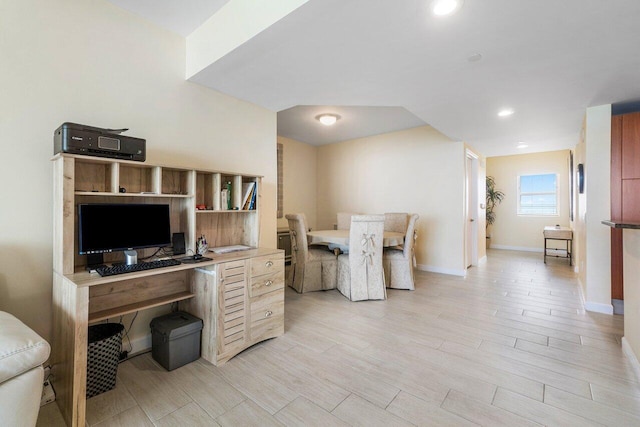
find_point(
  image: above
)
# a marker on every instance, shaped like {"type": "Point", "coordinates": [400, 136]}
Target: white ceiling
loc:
{"type": "Point", "coordinates": [548, 60]}
{"type": "Point", "coordinates": [300, 122]}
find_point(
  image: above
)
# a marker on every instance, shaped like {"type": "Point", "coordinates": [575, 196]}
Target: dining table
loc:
{"type": "Point", "coordinates": [341, 237]}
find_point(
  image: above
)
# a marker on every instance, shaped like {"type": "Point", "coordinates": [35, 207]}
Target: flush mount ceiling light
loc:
{"type": "Point", "coordinates": [506, 112]}
{"type": "Point", "coordinates": [328, 119]}
{"type": "Point", "coordinates": [445, 7]}
{"type": "Point", "coordinates": [521, 145]}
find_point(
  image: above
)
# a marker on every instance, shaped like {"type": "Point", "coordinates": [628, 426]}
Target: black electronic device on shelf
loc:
{"type": "Point", "coordinates": [110, 227]}
{"type": "Point", "coordinates": [74, 138]}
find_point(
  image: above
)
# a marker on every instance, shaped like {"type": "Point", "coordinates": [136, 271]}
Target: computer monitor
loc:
{"type": "Point", "coordinates": [109, 227]}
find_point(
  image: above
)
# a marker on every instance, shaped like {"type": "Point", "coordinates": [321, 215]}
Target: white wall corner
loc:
{"type": "Point", "coordinates": [233, 25]}
{"type": "Point", "coordinates": [633, 358]}
{"type": "Point", "coordinates": [598, 307]}
{"type": "Point", "coordinates": [482, 260]}
{"type": "Point", "coordinates": [593, 306]}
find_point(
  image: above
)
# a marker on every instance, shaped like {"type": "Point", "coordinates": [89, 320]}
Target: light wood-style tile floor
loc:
{"type": "Point", "coordinates": [509, 345]}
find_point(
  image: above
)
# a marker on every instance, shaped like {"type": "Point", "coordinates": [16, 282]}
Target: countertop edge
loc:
{"type": "Point", "coordinates": [616, 224]}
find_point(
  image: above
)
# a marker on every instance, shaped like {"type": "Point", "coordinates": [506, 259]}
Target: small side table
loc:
{"type": "Point", "coordinates": [558, 233]}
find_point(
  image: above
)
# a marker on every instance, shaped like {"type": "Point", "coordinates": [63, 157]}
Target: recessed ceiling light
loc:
{"type": "Point", "coordinates": [328, 119]}
{"type": "Point", "coordinates": [506, 112]}
{"type": "Point", "coordinates": [445, 7]}
{"type": "Point", "coordinates": [521, 145]}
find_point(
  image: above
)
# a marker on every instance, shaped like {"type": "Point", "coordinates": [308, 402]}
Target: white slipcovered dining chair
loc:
{"type": "Point", "coordinates": [399, 262]}
{"type": "Point", "coordinates": [360, 274]}
{"type": "Point", "coordinates": [396, 222]}
{"type": "Point", "coordinates": [311, 269]}
{"type": "Point", "coordinates": [343, 223]}
{"type": "Point", "coordinates": [344, 220]}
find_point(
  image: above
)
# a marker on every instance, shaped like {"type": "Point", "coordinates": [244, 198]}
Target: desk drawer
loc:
{"type": "Point", "coordinates": [267, 316]}
{"type": "Point", "coordinates": [267, 307]}
{"type": "Point", "coordinates": [267, 283]}
{"type": "Point", "coordinates": [267, 264]}
{"type": "Point", "coordinates": [558, 234]}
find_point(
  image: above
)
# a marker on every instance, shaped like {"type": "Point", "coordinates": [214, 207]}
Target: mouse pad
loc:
{"type": "Point", "coordinates": [192, 260]}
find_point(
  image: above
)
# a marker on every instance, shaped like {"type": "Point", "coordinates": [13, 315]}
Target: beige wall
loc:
{"type": "Point", "coordinates": [595, 206]}
{"type": "Point", "coordinates": [417, 170]}
{"type": "Point", "coordinates": [299, 174]}
{"type": "Point", "coordinates": [579, 224]}
{"type": "Point", "coordinates": [93, 63]}
{"type": "Point", "coordinates": [512, 231]}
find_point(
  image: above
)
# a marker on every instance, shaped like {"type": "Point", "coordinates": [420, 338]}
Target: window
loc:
{"type": "Point", "coordinates": [538, 195]}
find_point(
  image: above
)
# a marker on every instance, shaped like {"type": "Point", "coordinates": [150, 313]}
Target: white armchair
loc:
{"type": "Point", "coordinates": [22, 353]}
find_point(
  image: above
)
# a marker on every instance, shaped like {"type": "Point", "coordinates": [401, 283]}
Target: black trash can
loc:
{"type": "Point", "coordinates": [175, 339]}
{"type": "Point", "coordinates": [103, 356]}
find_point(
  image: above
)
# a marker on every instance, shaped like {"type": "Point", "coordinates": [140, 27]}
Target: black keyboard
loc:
{"type": "Point", "coordinates": [123, 268]}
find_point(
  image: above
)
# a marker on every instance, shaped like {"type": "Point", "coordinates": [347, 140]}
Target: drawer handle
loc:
{"type": "Point", "coordinates": [268, 283]}
{"type": "Point", "coordinates": [269, 263]}
{"type": "Point", "coordinates": [268, 313]}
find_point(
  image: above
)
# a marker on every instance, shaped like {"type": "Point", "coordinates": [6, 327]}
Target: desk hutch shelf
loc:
{"type": "Point", "coordinates": [81, 298]}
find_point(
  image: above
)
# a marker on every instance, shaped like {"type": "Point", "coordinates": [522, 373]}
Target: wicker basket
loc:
{"type": "Point", "coordinates": [103, 356]}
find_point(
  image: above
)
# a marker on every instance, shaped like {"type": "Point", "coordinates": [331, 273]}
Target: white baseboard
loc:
{"type": "Point", "coordinates": [598, 307]}
{"type": "Point", "coordinates": [517, 248]}
{"type": "Point", "coordinates": [450, 271]}
{"type": "Point", "coordinates": [628, 351]}
{"type": "Point", "coordinates": [594, 306]}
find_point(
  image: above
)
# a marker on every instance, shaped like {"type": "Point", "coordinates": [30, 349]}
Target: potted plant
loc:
{"type": "Point", "coordinates": [494, 197]}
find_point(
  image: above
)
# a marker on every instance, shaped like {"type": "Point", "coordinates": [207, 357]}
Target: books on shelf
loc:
{"type": "Point", "coordinates": [247, 188]}
{"type": "Point", "coordinates": [252, 204]}
{"type": "Point", "coordinates": [248, 201]}
{"type": "Point", "coordinates": [248, 196]}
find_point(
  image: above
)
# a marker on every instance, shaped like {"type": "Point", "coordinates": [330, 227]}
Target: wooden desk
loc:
{"type": "Point", "coordinates": [558, 233]}
{"type": "Point", "coordinates": [248, 284]}
{"type": "Point", "coordinates": [341, 237]}
{"type": "Point", "coordinates": [254, 277]}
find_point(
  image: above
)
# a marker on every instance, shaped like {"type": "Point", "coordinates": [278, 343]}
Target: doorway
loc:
{"type": "Point", "coordinates": [471, 210]}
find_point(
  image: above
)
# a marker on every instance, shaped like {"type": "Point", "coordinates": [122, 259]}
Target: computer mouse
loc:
{"type": "Point", "coordinates": [197, 256]}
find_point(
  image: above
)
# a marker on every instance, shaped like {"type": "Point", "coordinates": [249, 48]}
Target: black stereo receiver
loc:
{"type": "Point", "coordinates": [92, 141]}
